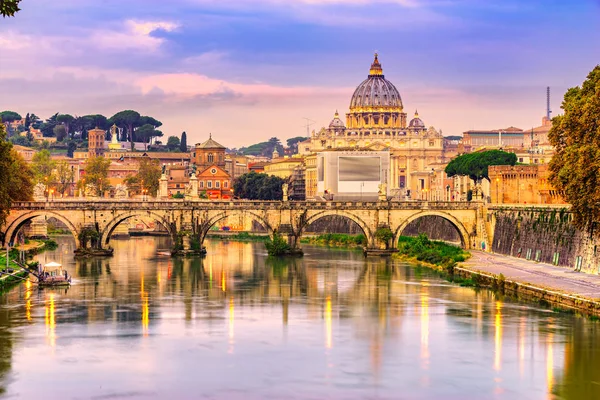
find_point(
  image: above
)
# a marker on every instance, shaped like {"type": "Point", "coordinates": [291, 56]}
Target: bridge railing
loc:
{"type": "Point", "coordinates": [175, 204]}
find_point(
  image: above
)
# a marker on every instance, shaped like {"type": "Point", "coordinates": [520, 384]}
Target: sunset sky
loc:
{"type": "Point", "coordinates": [247, 70]}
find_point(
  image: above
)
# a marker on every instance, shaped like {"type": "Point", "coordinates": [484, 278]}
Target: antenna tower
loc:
{"type": "Point", "coordinates": [309, 122]}
{"type": "Point", "coordinates": [548, 111]}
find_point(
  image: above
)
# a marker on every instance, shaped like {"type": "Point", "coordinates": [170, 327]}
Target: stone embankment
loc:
{"type": "Point", "coordinates": [557, 286]}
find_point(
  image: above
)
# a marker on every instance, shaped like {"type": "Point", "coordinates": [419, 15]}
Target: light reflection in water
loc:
{"type": "Point", "coordinates": [145, 307]}
{"type": "Point", "coordinates": [28, 300]}
{"type": "Point", "coordinates": [550, 365]}
{"type": "Point", "coordinates": [498, 337]}
{"type": "Point", "coordinates": [231, 325]}
{"type": "Point", "coordinates": [367, 309]}
{"type": "Point", "coordinates": [424, 327]}
{"type": "Point", "coordinates": [328, 339]}
{"type": "Point", "coordinates": [51, 321]}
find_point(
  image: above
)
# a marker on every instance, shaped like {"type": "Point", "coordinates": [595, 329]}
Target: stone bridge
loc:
{"type": "Point", "coordinates": [289, 218]}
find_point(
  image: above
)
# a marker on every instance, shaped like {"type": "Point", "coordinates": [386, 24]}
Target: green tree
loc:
{"type": "Point", "coordinates": [71, 148]}
{"type": "Point", "coordinates": [96, 173]}
{"type": "Point", "coordinates": [43, 167]}
{"type": "Point", "coordinates": [127, 119]}
{"type": "Point", "coordinates": [64, 176]}
{"type": "Point", "coordinates": [147, 177]}
{"type": "Point", "coordinates": [575, 165]}
{"type": "Point", "coordinates": [60, 132]}
{"type": "Point", "coordinates": [15, 179]}
{"type": "Point", "coordinates": [146, 132]}
{"type": "Point", "coordinates": [47, 127]}
{"type": "Point", "coordinates": [66, 120]}
{"type": "Point", "coordinates": [475, 165]}
{"type": "Point", "coordinates": [183, 144]}
{"type": "Point", "coordinates": [173, 143]}
{"type": "Point", "coordinates": [255, 186]}
{"type": "Point", "coordinates": [27, 120]}
{"type": "Point", "coordinates": [9, 116]}
{"type": "Point", "coordinates": [8, 8]}
{"type": "Point", "coordinates": [292, 143]}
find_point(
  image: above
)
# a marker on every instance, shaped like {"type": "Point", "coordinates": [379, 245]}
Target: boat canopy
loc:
{"type": "Point", "coordinates": [52, 266]}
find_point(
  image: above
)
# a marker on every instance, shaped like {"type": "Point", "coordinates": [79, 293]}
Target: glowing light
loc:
{"type": "Point", "coordinates": [51, 321]}
{"type": "Point", "coordinates": [424, 328]}
{"type": "Point", "coordinates": [328, 331]}
{"type": "Point", "coordinates": [498, 337]}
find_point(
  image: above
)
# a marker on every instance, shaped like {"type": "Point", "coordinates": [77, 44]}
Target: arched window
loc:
{"type": "Point", "coordinates": [210, 157]}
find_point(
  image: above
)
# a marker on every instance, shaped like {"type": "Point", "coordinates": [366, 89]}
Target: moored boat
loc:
{"type": "Point", "coordinates": [53, 274]}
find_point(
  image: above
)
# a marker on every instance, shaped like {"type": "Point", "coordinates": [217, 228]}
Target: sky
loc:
{"type": "Point", "coordinates": [248, 70]}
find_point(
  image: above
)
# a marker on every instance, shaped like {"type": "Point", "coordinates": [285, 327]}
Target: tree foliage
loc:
{"type": "Point", "coordinates": [128, 119]}
{"type": "Point", "coordinates": [183, 143]}
{"type": "Point", "coordinates": [575, 166]}
{"type": "Point", "coordinates": [9, 116]}
{"type": "Point", "coordinates": [64, 176]}
{"type": "Point", "coordinates": [15, 177]}
{"type": "Point", "coordinates": [475, 165]}
{"type": "Point", "coordinates": [173, 143]}
{"type": "Point", "coordinates": [264, 148]}
{"type": "Point", "coordinates": [146, 132]}
{"type": "Point", "coordinates": [277, 246]}
{"type": "Point", "coordinates": [60, 132]}
{"type": "Point", "coordinates": [43, 167]}
{"type": "Point", "coordinates": [147, 177]}
{"type": "Point", "coordinates": [96, 173]}
{"type": "Point", "coordinates": [255, 186]}
{"type": "Point", "coordinates": [8, 8]}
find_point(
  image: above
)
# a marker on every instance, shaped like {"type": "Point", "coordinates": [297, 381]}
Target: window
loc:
{"type": "Point", "coordinates": [209, 184]}
{"type": "Point", "coordinates": [217, 184]}
{"type": "Point", "coordinates": [211, 157]}
{"type": "Point", "coordinates": [201, 184]}
{"type": "Point", "coordinates": [225, 184]}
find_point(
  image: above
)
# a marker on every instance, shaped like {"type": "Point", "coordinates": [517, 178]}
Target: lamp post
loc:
{"type": "Point", "coordinates": [447, 192]}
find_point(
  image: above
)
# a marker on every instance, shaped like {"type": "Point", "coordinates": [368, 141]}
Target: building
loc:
{"type": "Point", "coordinates": [478, 139]}
{"type": "Point", "coordinates": [376, 121]}
{"type": "Point", "coordinates": [178, 177]}
{"type": "Point", "coordinates": [297, 184]}
{"type": "Point", "coordinates": [215, 182]}
{"type": "Point", "coordinates": [96, 139]}
{"type": "Point", "coordinates": [522, 184]}
{"type": "Point", "coordinates": [26, 152]}
{"type": "Point", "coordinates": [236, 165]}
{"type": "Point", "coordinates": [283, 167]}
{"type": "Point", "coordinates": [208, 154]}
{"type": "Point", "coordinates": [352, 175]}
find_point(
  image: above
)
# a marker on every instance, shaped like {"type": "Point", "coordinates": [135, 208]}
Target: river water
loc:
{"type": "Point", "coordinates": [237, 325]}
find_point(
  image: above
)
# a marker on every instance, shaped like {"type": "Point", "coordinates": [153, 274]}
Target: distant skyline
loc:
{"type": "Point", "coordinates": [250, 70]}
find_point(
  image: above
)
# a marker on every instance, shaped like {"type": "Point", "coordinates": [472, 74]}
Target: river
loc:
{"type": "Point", "coordinates": [238, 325]}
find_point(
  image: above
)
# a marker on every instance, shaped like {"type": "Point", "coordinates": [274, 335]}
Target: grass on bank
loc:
{"type": "Point", "coordinates": [429, 251]}
{"type": "Point", "coordinates": [336, 240]}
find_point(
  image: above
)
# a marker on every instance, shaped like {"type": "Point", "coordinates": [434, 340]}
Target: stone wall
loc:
{"type": "Point", "coordinates": [334, 224]}
{"type": "Point", "coordinates": [544, 235]}
{"type": "Point", "coordinates": [436, 228]}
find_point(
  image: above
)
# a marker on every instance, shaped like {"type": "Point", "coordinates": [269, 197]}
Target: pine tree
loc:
{"type": "Point", "coordinates": [183, 143]}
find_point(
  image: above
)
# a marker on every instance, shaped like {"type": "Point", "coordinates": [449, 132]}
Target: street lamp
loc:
{"type": "Point", "coordinates": [52, 194]}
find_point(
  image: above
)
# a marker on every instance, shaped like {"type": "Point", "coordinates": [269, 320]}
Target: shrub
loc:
{"type": "Point", "coordinates": [277, 246]}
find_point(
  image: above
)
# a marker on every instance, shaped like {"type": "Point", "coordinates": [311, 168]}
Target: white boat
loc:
{"type": "Point", "coordinates": [53, 274]}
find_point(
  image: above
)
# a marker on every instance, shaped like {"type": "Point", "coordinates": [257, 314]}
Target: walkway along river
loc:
{"type": "Point", "coordinates": [237, 325]}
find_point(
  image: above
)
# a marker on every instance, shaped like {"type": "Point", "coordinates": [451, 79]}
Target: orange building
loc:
{"type": "Point", "coordinates": [522, 184]}
{"type": "Point", "coordinates": [208, 154]}
{"type": "Point", "coordinates": [96, 139]}
{"type": "Point", "coordinates": [216, 182]}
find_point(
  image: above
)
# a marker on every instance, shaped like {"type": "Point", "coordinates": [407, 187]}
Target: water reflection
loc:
{"type": "Point", "coordinates": [329, 325]}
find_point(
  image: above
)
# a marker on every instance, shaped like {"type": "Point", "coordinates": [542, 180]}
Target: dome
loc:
{"type": "Point", "coordinates": [336, 122]}
{"type": "Point", "coordinates": [416, 122]}
{"type": "Point", "coordinates": [376, 91]}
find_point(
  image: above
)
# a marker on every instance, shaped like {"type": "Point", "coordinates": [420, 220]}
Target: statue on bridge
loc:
{"type": "Point", "coordinates": [121, 191]}
{"type": "Point", "coordinates": [91, 190]}
{"type": "Point", "coordinates": [39, 192]}
{"type": "Point", "coordinates": [382, 192]}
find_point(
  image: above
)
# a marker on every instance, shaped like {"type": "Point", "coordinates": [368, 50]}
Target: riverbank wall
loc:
{"type": "Point", "coordinates": [545, 235]}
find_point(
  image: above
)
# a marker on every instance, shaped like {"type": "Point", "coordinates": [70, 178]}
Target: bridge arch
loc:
{"type": "Point", "coordinates": [340, 213]}
{"type": "Point", "coordinates": [213, 219]}
{"type": "Point", "coordinates": [119, 218]}
{"type": "Point", "coordinates": [460, 228]}
{"type": "Point", "coordinates": [13, 228]}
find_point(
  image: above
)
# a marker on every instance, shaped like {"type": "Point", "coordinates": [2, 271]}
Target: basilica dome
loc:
{"type": "Point", "coordinates": [336, 122]}
{"type": "Point", "coordinates": [416, 122]}
{"type": "Point", "coordinates": [376, 91]}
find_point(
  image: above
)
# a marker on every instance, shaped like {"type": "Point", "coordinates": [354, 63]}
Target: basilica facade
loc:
{"type": "Point", "coordinates": [376, 121]}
